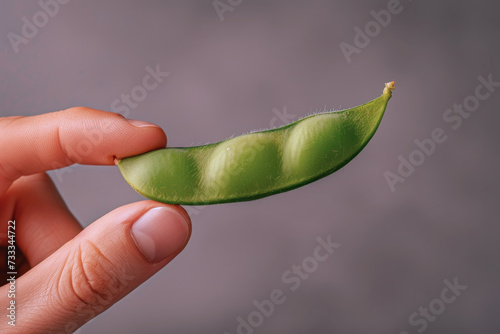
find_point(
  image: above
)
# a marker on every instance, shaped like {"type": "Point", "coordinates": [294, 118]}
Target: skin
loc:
{"type": "Point", "coordinates": [259, 164]}
{"type": "Point", "coordinates": [66, 275]}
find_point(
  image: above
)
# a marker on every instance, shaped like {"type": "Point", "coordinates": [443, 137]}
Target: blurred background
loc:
{"type": "Point", "coordinates": [234, 66]}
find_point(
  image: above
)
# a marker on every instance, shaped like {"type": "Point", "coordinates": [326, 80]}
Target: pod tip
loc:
{"type": "Point", "coordinates": [389, 87]}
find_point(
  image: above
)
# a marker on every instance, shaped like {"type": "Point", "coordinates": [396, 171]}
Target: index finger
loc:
{"type": "Point", "coordinates": [30, 145]}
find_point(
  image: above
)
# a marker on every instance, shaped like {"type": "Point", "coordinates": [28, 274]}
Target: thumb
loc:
{"type": "Point", "coordinates": [100, 266]}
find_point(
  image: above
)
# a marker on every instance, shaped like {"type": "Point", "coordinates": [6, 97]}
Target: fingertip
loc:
{"type": "Point", "coordinates": [110, 135]}
{"type": "Point", "coordinates": [161, 233]}
{"type": "Point", "coordinates": [140, 137]}
{"type": "Point", "coordinates": [182, 211]}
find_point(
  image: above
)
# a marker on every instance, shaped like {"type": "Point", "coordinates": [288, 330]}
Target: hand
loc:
{"type": "Point", "coordinates": [66, 276]}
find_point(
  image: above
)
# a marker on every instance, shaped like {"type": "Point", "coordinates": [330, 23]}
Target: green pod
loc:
{"type": "Point", "coordinates": [257, 164]}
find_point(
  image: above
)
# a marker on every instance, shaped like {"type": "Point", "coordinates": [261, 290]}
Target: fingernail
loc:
{"type": "Point", "coordinates": [140, 124]}
{"type": "Point", "coordinates": [160, 233]}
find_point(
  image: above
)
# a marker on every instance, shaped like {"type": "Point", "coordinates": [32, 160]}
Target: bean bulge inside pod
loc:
{"type": "Point", "coordinates": [258, 164]}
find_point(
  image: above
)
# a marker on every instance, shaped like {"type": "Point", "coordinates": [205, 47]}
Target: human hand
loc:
{"type": "Point", "coordinates": [65, 275]}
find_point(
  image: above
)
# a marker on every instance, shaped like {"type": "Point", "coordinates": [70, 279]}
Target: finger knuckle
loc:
{"type": "Point", "coordinates": [94, 279]}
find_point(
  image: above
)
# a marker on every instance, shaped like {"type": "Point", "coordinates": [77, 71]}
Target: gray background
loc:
{"type": "Point", "coordinates": [226, 78]}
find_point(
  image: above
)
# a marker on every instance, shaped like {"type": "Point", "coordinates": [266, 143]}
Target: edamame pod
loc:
{"type": "Point", "coordinates": [257, 164]}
